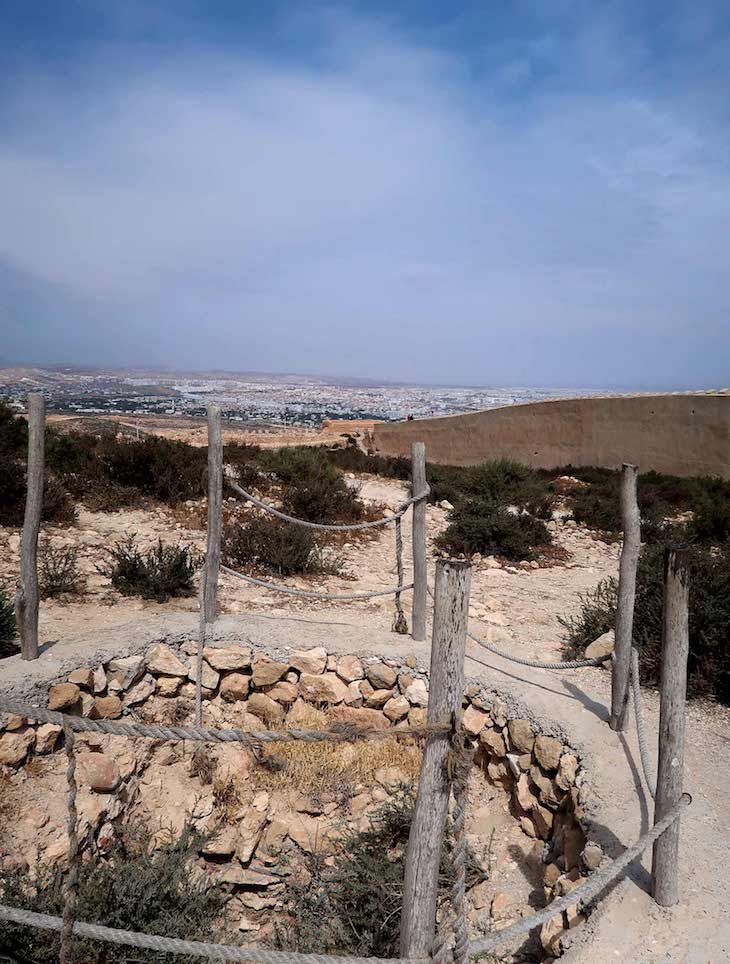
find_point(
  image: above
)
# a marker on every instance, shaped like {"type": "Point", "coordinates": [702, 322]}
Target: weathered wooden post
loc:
{"type": "Point", "coordinates": [215, 511]}
{"type": "Point", "coordinates": [673, 700]}
{"type": "Point", "coordinates": [420, 573]}
{"type": "Point", "coordinates": [448, 645]}
{"type": "Point", "coordinates": [28, 596]}
{"type": "Point", "coordinates": [631, 524]}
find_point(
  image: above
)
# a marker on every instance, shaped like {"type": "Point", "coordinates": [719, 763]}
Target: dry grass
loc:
{"type": "Point", "coordinates": [333, 767]}
{"type": "Point", "coordinates": [227, 799]}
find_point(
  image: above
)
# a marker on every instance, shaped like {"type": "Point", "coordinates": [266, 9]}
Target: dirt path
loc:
{"type": "Point", "coordinates": [517, 609]}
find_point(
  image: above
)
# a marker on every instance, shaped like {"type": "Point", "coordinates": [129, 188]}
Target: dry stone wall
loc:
{"type": "Point", "coordinates": [540, 773]}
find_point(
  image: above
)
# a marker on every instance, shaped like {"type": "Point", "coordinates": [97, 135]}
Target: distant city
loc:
{"type": "Point", "coordinates": [261, 398]}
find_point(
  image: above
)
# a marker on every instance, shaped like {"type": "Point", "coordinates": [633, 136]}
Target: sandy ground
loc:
{"type": "Point", "coordinates": [514, 608]}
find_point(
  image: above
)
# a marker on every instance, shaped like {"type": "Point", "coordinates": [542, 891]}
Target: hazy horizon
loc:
{"type": "Point", "coordinates": [532, 195]}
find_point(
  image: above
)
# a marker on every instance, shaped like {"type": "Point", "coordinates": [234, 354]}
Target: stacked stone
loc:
{"type": "Point", "coordinates": [540, 774]}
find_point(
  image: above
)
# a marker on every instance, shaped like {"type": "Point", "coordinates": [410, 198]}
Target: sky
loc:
{"type": "Point", "coordinates": [488, 193]}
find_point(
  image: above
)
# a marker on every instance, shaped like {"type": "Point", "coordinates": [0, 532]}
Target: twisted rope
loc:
{"type": "Point", "coordinates": [71, 883]}
{"type": "Point", "coordinates": [400, 624]}
{"type": "Point", "coordinates": [305, 594]}
{"type": "Point", "coordinates": [585, 892]}
{"type": "Point", "coordinates": [172, 945]}
{"type": "Point", "coordinates": [352, 527]}
{"type": "Point", "coordinates": [535, 664]}
{"type": "Point", "coordinates": [639, 717]}
{"type": "Point", "coordinates": [340, 733]}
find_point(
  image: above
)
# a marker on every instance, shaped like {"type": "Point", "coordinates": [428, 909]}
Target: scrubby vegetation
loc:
{"type": "Point", "coordinates": [270, 544]}
{"type": "Point", "coordinates": [135, 887]}
{"type": "Point", "coordinates": [8, 630]}
{"type": "Point", "coordinates": [58, 571]}
{"type": "Point", "coordinates": [488, 527]}
{"type": "Point", "coordinates": [161, 573]}
{"type": "Point", "coordinates": [354, 906]}
{"type": "Point", "coordinates": [709, 618]}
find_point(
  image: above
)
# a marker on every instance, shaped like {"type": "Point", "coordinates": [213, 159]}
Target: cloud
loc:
{"type": "Point", "coordinates": [367, 213]}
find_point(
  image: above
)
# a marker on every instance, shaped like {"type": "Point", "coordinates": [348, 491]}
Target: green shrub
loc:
{"type": "Point", "coordinates": [311, 487]}
{"type": "Point", "coordinates": [12, 491]}
{"type": "Point", "coordinates": [709, 618]}
{"type": "Point", "coordinates": [490, 529]}
{"type": "Point", "coordinates": [161, 573]}
{"type": "Point", "coordinates": [136, 888]}
{"type": "Point", "coordinates": [275, 546]}
{"type": "Point", "coordinates": [58, 572]}
{"type": "Point", "coordinates": [354, 907]}
{"type": "Point", "coordinates": [8, 632]}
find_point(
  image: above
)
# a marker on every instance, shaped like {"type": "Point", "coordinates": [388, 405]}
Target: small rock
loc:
{"type": "Point", "coordinates": [378, 699]}
{"type": "Point", "coordinates": [350, 668]}
{"type": "Point", "coordinates": [521, 735]}
{"type": "Point", "coordinates": [567, 771]}
{"type": "Point", "coordinates": [283, 692]}
{"type": "Point", "coordinates": [99, 772]}
{"type": "Point", "coordinates": [161, 659]}
{"type": "Point", "coordinates": [396, 708]}
{"type": "Point", "coordinates": [445, 504]}
{"type": "Point", "coordinates": [46, 738]}
{"type": "Point", "coordinates": [354, 696]}
{"type": "Point", "coordinates": [417, 716]}
{"type": "Point", "coordinates": [235, 686]}
{"type": "Point", "coordinates": [15, 722]}
{"type": "Point", "coordinates": [592, 855]}
{"type": "Point", "coordinates": [381, 676]}
{"type": "Point", "coordinates": [209, 677]}
{"type": "Point", "coordinates": [15, 746]}
{"type": "Point", "coordinates": [362, 718]}
{"type": "Point", "coordinates": [528, 827]}
{"type": "Point", "coordinates": [500, 905]}
{"type": "Point", "coordinates": [227, 658]}
{"type": "Point", "coordinates": [267, 671]}
{"type": "Point", "coordinates": [140, 691]}
{"type": "Point", "coordinates": [494, 742]}
{"type": "Point", "coordinates": [550, 934]}
{"type": "Point", "coordinates": [126, 670]}
{"type": "Point", "coordinates": [168, 685]}
{"type": "Point", "coordinates": [410, 661]}
{"type": "Point", "coordinates": [312, 661]}
{"type": "Point", "coordinates": [392, 777]}
{"type": "Point", "coordinates": [525, 797]}
{"type": "Point", "coordinates": [551, 874]}
{"type": "Point", "coordinates": [108, 707]}
{"type": "Point", "coordinates": [416, 693]}
{"type": "Point", "coordinates": [63, 696]}
{"type": "Point", "coordinates": [602, 646]}
{"type": "Point", "coordinates": [99, 681]}
{"type": "Point", "coordinates": [82, 677]}
{"type": "Point", "coordinates": [474, 720]}
{"type": "Point", "coordinates": [548, 751]}
{"type": "Point", "coordinates": [266, 709]}
{"type": "Point", "coordinates": [322, 688]}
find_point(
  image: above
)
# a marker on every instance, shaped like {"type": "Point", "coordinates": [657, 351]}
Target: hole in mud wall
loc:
{"type": "Point", "coordinates": [271, 828]}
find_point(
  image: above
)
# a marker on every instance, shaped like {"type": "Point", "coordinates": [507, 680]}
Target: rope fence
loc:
{"type": "Point", "coordinates": [331, 527]}
{"type": "Point", "coordinates": [312, 594]}
{"type": "Point", "coordinates": [341, 733]}
{"type": "Point", "coordinates": [450, 632]}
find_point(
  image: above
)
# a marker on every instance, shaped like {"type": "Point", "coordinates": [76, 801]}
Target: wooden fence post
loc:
{"type": "Point", "coordinates": [631, 524]}
{"type": "Point", "coordinates": [448, 646]}
{"type": "Point", "coordinates": [215, 511]}
{"type": "Point", "coordinates": [672, 707]}
{"type": "Point", "coordinates": [28, 596]}
{"type": "Point", "coordinates": [420, 574]}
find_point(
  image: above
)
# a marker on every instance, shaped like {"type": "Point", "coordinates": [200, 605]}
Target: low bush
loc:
{"type": "Point", "coordinates": [135, 887]}
{"type": "Point", "coordinates": [276, 546]}
{"type": "Point", "coordinates": [8, 632]}
{"type": "Point", "coordinates": [161, 573]}
{"type": "Point", "coordinates": [709, 618]}
{"type": "Point", "coordinates": [311, 487]}
{"type": "Point", "coordinates": [489, 528]}
{"type": "Point", "coordinates": [354, 906]}
{"type": "Point", "coordinates": [58, 571]}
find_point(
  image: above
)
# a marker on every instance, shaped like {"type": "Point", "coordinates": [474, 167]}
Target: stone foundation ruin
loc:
{"type": "Point", "coordinates": [290, 800]}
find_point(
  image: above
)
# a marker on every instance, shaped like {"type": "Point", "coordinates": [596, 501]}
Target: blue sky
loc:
{"type": "Point", "coordinates": [480, 193]}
